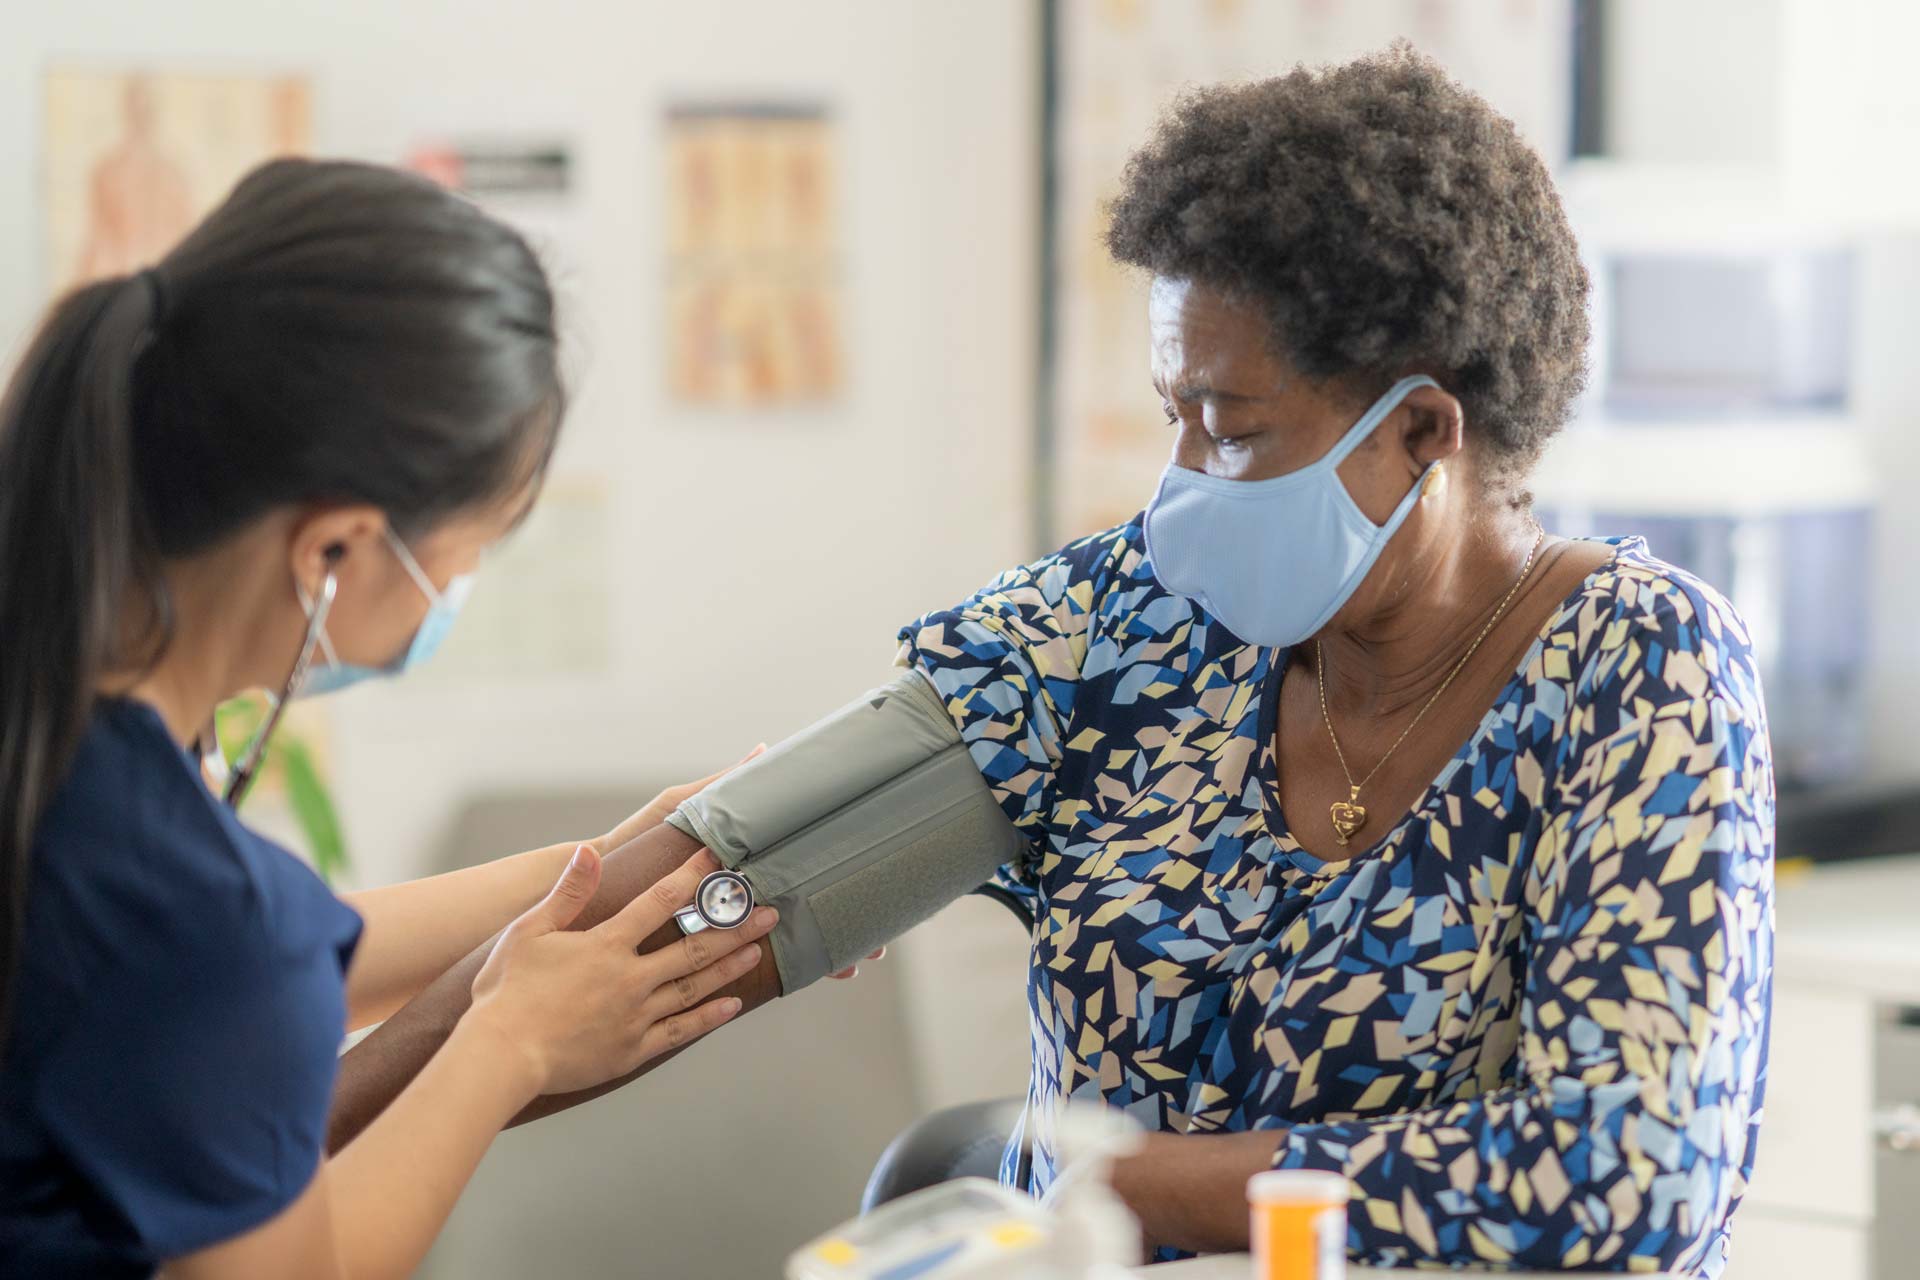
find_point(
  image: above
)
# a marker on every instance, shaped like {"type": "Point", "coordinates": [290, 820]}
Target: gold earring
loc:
{"type": "Point", "coordinates": [1432, 484]}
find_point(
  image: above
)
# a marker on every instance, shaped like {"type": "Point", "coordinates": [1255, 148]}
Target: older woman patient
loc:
{"type": "Point", "coordinates": [1372, 830]}
{"type": "Point", "coordinates": [1369, 829]}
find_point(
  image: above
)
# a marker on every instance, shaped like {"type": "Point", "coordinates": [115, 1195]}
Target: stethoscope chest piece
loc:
{"type": "Point", "coordinates": [723, 900]}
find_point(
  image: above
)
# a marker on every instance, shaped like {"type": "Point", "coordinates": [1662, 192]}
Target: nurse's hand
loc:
{"type": "Point", "coordinates": [655, 811]}
{"type": "Point", "coordinates": [582, 1005]}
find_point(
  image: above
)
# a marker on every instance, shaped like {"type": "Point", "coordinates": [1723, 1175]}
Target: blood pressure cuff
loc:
{"type": "Point", "coordinates": [857, 828]}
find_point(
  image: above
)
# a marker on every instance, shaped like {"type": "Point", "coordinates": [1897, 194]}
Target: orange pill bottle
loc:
{"type": "Point", "coordinates": [1299, 1224]}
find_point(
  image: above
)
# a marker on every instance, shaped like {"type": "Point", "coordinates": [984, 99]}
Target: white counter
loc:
{"type": "Point", "coordinates": [1847, 955]}
{"type": "Point", "coordinates": [1854, 926]}
{"type": "Point", "coordinates": [1239, 1266]}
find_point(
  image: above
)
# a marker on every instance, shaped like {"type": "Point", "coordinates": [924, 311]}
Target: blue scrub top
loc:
{"type": "Point", "coordinates": [178, 1013]}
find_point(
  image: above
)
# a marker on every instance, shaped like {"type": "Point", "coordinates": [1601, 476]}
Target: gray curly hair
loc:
{"type": "Point", "coordinates": [1388, 221]}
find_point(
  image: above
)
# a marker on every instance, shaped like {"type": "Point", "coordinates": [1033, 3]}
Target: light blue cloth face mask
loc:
{"type": "Point", "coordinates": [442, 608]}
{"type": "Point", "coordinates": [1275, 559]}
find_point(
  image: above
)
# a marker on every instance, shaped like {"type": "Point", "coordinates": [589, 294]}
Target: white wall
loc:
{"type": "Point", "coordinates": [760, 563]}
{"type": "Point", "coordinates": [1804, 108]}
{"type": "Point", "coordinates": [1695, 82]}
{"type": "Point", "coordinates": [1850, 114]}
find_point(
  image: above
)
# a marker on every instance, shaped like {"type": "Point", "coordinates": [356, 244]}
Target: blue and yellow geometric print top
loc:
{"type": "Point", "coordinates": [1529, 1025]}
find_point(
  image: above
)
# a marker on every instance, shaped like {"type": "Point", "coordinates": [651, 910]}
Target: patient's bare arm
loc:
{"type": "Point", "coordinates": [374, 1071]}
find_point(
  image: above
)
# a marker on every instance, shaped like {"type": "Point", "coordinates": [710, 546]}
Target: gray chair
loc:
{"type": "Point", "coordinates": [960, 1142]}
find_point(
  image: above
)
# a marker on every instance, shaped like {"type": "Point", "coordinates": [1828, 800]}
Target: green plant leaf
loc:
{"type": "Point", "coordinates": [236, 720]}
{"type": "Point", "coordinates": [289, 760]}
{"type": "Point", "coordinates": [312, 807]}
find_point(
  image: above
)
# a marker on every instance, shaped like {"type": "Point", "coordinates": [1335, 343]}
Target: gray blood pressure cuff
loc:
{"type": "Point", "coordinates": [857, 828]}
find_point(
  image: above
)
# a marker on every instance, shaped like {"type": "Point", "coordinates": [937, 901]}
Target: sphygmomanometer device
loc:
{"type": "Point", "coordinates": [856, 829]}
{"type": "Point", "coordinates": [974, 1229]}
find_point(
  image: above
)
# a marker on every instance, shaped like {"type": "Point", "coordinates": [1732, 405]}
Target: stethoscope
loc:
{"type": "Point", "coordinates": [234, 783]}
{"type": "Point", "coordinates": [723, 900]}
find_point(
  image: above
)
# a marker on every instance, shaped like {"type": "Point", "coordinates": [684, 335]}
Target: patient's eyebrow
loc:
{"type": "Point", "coordinates": [1200, 391]}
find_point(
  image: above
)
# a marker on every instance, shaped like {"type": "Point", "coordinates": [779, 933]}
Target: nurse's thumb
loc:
{"type": "Point", "coordinates": [569, 895]}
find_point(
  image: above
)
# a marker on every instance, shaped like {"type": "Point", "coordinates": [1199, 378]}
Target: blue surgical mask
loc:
{"type": "Point", "coordinates": [1275, 559]}
{"type": "Point", "coordinates": [442, 608]}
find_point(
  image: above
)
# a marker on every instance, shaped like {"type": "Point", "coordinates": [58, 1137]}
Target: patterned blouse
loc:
{"type": "Point", "coordinates": [1529, 1025]}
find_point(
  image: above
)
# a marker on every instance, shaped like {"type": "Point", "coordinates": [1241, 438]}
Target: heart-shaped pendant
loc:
{"type": "Point", "coordinates": [1348, 816]}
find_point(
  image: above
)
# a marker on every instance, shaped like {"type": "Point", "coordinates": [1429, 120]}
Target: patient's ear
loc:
{"type": "Point", "coordinates": [1433, 426]}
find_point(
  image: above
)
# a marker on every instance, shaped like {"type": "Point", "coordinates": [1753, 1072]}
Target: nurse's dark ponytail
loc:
{"type": "Point", "coordinates": [332, 333]}
{"type": "Point", "coordinates": [70, 551]}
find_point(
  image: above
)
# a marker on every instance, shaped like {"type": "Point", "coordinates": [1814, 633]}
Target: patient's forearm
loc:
{"type": "Point", "coordinates": [1190, 1190]}
{"type": "Point", "coordinates": [374, 1071]}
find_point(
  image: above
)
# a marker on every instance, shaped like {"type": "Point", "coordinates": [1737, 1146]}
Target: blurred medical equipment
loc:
{"type": "Point", "coordinates": [975, 1229]}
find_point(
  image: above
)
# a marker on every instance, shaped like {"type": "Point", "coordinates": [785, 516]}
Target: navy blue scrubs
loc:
{"type": "Point", "coordinates": [179, 1008]}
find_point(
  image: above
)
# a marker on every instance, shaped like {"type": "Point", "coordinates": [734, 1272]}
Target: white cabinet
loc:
{"type": "Point", "coordinates": [1816, 1146]}
{"type": "Point", "coordinates": [1808, 1214]}
{"type": "Point", "coordinates": [1770, 1246]}
{"type": "Point", "coordinates": [1848, 955]}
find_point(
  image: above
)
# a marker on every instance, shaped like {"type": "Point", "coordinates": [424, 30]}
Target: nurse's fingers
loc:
{"type": "Point", "coordinates": [683, 1029]}
{"type": "Point", "coordinates": [653, 908]}
{"type": "Point", "coordinates": [698, 950]}
{"type": "Point", "coordinates": [688, 990]}
{"type": "Point", "coordinates": [656, 811]}
{"type": "Point", "coordinates": [569, 895]}
{"type": "Point", "coordinates": [673, 796]}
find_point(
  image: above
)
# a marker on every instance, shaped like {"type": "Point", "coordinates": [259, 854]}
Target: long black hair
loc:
{"type": "Point", "coordinates": [333, 332]}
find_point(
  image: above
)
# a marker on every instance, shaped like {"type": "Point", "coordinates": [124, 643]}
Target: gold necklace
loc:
{"type": "Point", "coordinates": [1350, 815]}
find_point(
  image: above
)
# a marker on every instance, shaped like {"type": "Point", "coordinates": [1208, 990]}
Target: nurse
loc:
{"type": "Point", "coordinates": [275, 461]}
